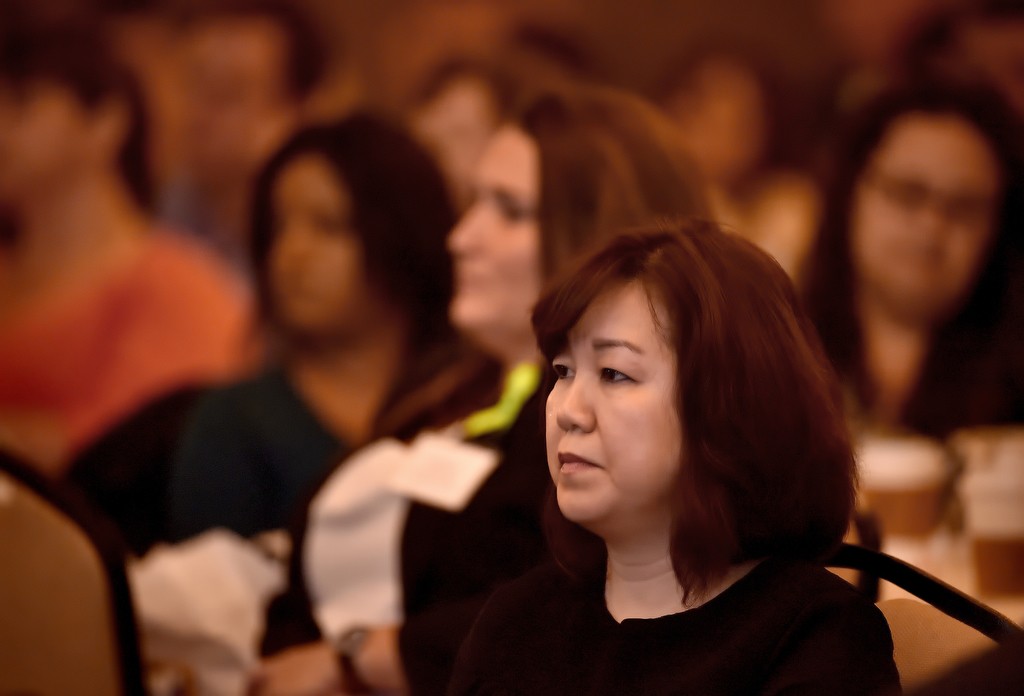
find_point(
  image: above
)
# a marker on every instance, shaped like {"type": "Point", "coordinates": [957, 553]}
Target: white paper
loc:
{"type": "Point", "coordinates": [201, 604]}
{"type": "Point", "coordinates": [443, 472]}
{"type": "Point", "coordinates": [353, 541]}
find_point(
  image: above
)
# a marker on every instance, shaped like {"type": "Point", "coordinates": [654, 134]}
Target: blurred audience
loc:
{"type": "Point", "coordinates": [986, 36]}
{"type": "Point", "coordinates": [571, 169]}
{"type": "Point", "coordinates": [249, 68]}
{"type": "Point", "coordinates": [100, 311]}
{"type": "Point", "coordinates": [914, 283]}
{"type": "Point", "coordinates": [872, 38]}
{"type": "Point", "coordinates": [546, 54]}
{"type": "Point", "coordinates": [462, 101]}
{"type": "Point", "coordinates": [727, 103]}
{"type": "Point", "coordinates": [455, 111]}
{"type": "Point", "coordinates": [349, 228]}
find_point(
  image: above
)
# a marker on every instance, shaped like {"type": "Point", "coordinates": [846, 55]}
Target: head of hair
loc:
{"type": "Point", "coordinates": [684, 72]}
{"type": "Point", "coordinates": [449, 72]}
{"type": "Point", "coordinates": [831, 280]}
{"type": "Point", "coordinates": [607, 159]}
{"type": "Point", "coordinates": [72, 50]}
{"type": "Point", "coordinates": [545, 52]}
{"type": "Point", "coordinates": [401, 213]}
{"type": "Point", "coordinates": [306, 53]}
{"type": "Point", "coordinates": [767, 467]}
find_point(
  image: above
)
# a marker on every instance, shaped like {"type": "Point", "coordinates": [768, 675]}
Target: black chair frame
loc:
{"type": "Point", "coordinates": [927, 588]}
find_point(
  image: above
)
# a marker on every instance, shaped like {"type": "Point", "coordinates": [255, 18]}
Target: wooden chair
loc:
{"type": "Point", "coordinates": [67, 624]}
{"type": "Point", "coordinates": [931, 636]}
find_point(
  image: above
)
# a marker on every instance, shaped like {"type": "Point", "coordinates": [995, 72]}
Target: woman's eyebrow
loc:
{"type": "Point", "coordinates": [600, 344]}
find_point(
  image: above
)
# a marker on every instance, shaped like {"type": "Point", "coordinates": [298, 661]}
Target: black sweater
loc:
{"type": "Point", "coordinates": [787, 627]}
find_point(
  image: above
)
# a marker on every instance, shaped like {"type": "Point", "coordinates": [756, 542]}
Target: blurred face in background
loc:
{"type": "Point", "coordinates": [457, 124]}
{"type": "Point", "coordinates": [49, 139]}
{"type": "Point", "coordinates": [237, 106]}
{"type": "Point", "coordinates": [317, 275]}
{"type": "Point", "coordinates": [496, 250]}
{"type": "Point", "coordinates": [923, 217]}
{"type": "Point", "coordinates": [873, 32]}
{"type": "Point", "coordinates": [722, 119]}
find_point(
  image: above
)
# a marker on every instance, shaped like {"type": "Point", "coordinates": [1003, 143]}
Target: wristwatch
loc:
{"type": "Point", "coordinates": [347, 646]}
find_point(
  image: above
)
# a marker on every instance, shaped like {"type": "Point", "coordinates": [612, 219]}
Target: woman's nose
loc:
{"type": "Point", "coordinates": [466, 230]}
{"type": "Point", "coordinates": [573, 410]}
{"type": "Point", "coordinates": [289, 244]}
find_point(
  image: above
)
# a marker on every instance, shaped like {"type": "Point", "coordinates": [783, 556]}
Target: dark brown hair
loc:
{"type": "Point", "coordinates": [767, 466]}
{"type": "Point", "coordinates": [607, 159]}
{"type": "Point", "coordinates": [72, 50]}
{"type": "Point", "coordinates": [401, 214]}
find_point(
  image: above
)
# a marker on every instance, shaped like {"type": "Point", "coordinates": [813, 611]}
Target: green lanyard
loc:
{"type": "Point", "coordinates": [520, 384]}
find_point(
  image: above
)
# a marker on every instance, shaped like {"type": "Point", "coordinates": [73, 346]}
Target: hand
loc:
{"type": "Point", "coordinates": [306, 670]}
{"type": "Point", "coordinates": [379, 662]}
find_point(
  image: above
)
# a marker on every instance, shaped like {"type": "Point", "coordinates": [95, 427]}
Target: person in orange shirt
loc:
{"type": "Point", "coordinates": [100, 312]}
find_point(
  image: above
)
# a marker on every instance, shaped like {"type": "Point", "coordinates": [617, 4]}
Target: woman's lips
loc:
{"type": "Point", "coordinates": [573, 463]}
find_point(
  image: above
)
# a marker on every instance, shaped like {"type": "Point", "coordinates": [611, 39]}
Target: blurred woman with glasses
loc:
{"type": "Point", "coordinates": [912, 282]}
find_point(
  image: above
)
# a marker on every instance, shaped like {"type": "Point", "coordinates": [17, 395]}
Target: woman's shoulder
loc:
{"type": "Point", "coordinates": [784, 599]}
{"type": "Point", "coordinates": [826, 632]}
{"type": "Point", "coordinates": [801, 583]}
{"type": "Point", "coordinates": [809, 604]}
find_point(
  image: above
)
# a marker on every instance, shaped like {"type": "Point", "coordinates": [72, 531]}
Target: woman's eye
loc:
{"type": "Point", "coordinates": [610, 375]}
{"type": "Point", "coordinates": [561, 370]}
{"type": "Point", "coordinates": [512, 209]}
{"type": "Point", "coordinates": [332, 224]}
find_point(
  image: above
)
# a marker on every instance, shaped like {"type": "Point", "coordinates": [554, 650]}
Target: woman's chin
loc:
{"type": "Point", "coordinates": [586, 513]}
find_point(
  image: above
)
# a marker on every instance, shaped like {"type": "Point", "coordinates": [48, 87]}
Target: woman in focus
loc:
{"type": "Point", "coordinates": [702, 470]}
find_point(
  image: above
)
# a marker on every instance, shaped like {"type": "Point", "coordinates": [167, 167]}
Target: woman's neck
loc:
{"type": "Point", "coordinates": [91, 225]}
{"type": "Point", "coordinates": [345, 382]}
{"type": "Point", "coordinates": [894, 353]}
{"type": "Point", "coordinates": [642, 584]}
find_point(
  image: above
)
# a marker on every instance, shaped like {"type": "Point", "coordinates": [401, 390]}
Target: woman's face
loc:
{"type": "Point", "coordinates": [923, 216]}
{"type": "Point", "coordinates": [317, 270]}
{"type": "Point", "coordinates": [457, 124]}
{"type": "Point", "coordinates": [722, 119]}
{"type": "Point", "coordinates": [496, 250]}
{"type": "Point", "coordinates": [614, 438]}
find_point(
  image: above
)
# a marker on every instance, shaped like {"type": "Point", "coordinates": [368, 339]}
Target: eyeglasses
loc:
{"type": "Point", "coordinates": [913, 195]}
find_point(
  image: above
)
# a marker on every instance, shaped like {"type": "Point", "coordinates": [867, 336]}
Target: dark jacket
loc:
{"type": "Point", "coordinates": [450, 562]}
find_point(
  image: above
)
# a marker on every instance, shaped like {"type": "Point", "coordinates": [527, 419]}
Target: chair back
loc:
{"type": "Point", "coordinates": [927, 588]}
{"type": "Point", "coordinates": [930, 636]}
{"type": "Point", "coordinates": [927, 642]}
{"type": "Point", "coordinates": [66, 621]}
